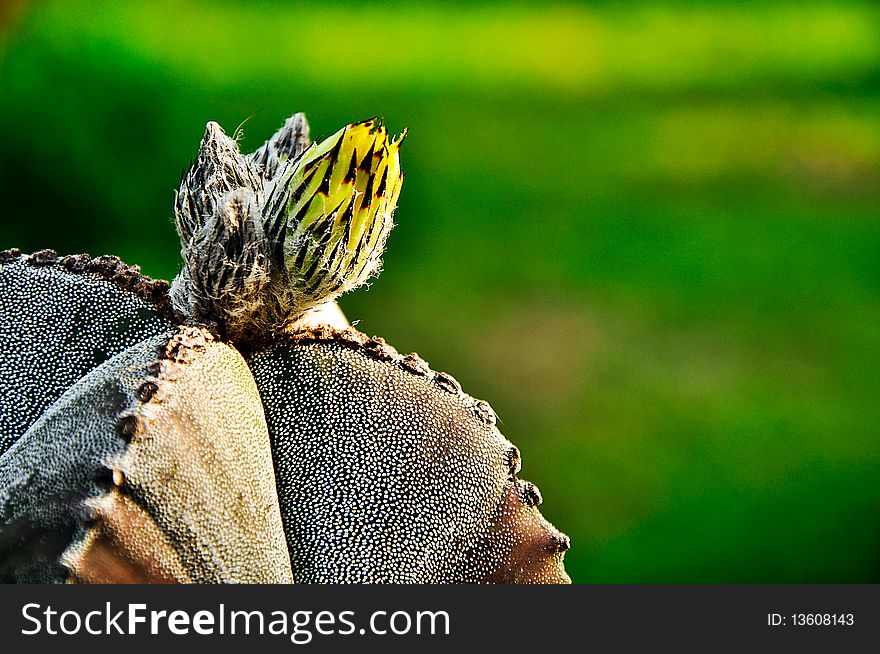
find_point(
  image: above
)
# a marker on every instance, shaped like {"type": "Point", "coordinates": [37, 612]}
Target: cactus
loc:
{"type": "Point", "coordinates": [231, 426]}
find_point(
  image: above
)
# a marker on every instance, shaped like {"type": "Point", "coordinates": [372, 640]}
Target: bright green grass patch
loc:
{"type": "Point", "coordinates": [566, 48]}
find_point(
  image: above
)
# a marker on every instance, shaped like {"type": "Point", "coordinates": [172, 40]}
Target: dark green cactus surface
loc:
{"type": "Point", "coordinates": [140, 442]}
{"type": "Point", "coordinates": [61, 318]}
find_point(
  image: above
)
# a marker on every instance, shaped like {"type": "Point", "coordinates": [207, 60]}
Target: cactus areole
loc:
{"type": "Point", "coordinates": [231, 426]}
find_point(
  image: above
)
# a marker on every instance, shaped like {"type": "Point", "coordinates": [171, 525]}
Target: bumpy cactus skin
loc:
{"type": "Point", "coordinates": [62, 317]}
{"type": "Point", "coordinates": [234, 428]}
{"type": "Point", "coordinates": [417, 467]}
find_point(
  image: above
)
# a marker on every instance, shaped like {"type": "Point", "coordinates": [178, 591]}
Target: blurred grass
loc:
{"type": "Point", "coordinates": [648, 234]}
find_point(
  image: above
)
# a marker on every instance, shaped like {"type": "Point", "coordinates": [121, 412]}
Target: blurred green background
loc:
{"type": "Point", "coordinates": [647, 233]}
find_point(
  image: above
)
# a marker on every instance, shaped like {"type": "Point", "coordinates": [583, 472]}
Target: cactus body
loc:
{"type": "Point", "coordinates": [234, 428]}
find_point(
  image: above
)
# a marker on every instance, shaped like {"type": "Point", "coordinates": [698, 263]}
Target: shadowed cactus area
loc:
{"type": "Point", "coordinates": [231, 426]}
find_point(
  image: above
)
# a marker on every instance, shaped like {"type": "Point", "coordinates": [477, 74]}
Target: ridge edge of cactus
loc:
{"type": "Point", "coordinates": [107, 266]}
